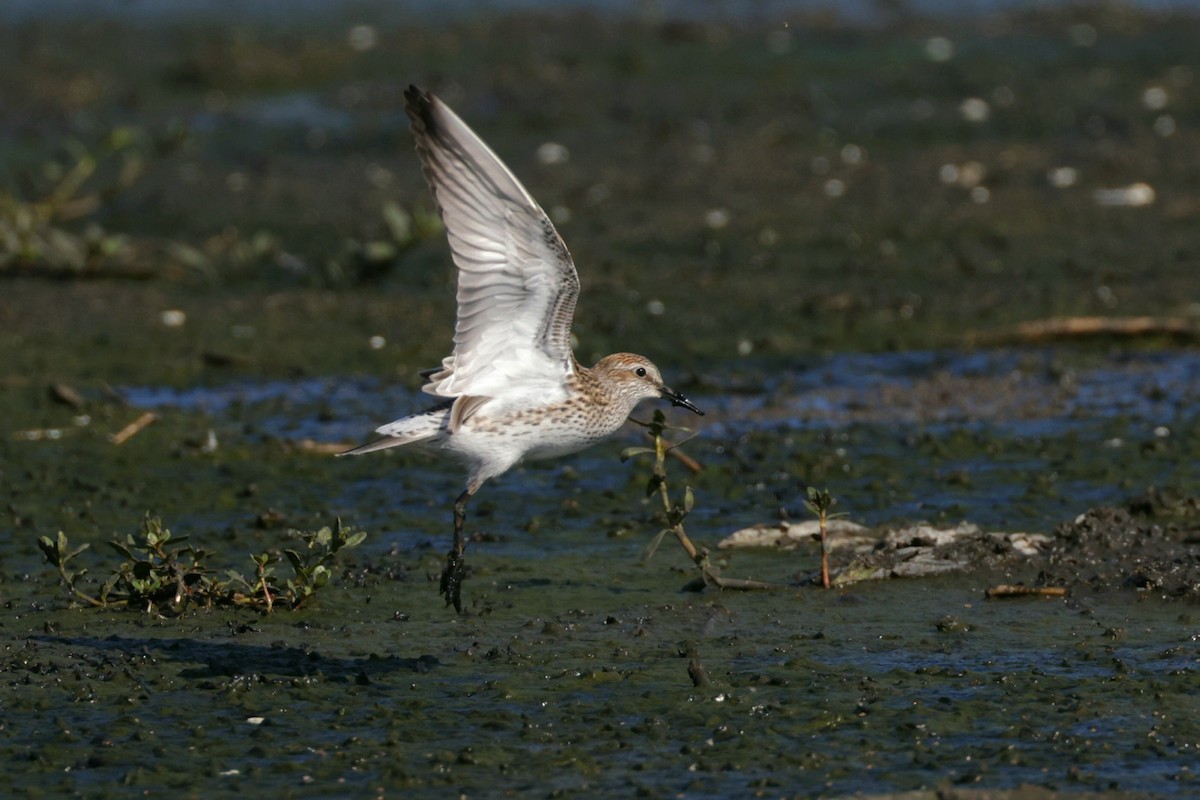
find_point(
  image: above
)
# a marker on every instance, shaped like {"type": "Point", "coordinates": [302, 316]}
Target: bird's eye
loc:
{"type": "Point", "coordinates": [640, 372]}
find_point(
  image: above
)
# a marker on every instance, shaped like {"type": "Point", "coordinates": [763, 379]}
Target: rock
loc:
{"type": "Point", "coordinates": [912, 551]}
{"type": "Point", "coordinates": [789, 535]}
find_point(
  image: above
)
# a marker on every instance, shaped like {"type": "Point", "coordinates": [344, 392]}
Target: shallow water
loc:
{"type": "Point", "coordinates": [985, 423]}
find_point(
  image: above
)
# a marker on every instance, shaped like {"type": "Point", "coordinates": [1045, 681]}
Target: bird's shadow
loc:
{"type": "Point", "coordinates": [208, 659]}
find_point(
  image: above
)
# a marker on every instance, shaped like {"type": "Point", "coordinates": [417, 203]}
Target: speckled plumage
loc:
{"type": "Point", "coordinates": [511, 389]}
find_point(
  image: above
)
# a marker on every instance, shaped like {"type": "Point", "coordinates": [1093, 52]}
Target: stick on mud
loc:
{"type": "Point", "coordinates": [133, 428]}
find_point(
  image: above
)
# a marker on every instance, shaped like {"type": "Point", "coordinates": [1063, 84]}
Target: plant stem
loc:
{"type": "Point", "coordinates": [262, 582]}
{"type": "Point", "coordinates": [824, 551]}
{"type": "Point", "coordinates": [78, 593]}
{"type": "Point", "coordinates": [660, 472]}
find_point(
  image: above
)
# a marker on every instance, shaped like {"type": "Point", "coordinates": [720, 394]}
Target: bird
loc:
{"type": "Point", "coordinates": [511, 389]}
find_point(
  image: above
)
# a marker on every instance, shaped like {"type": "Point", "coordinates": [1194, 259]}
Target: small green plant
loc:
{"type": "Point", "coordinates": [819, 501]}
{"type": "Point", "coordinates": [36, 231]}
{"type": "Point", "coordinates": [310, 567]}
{"type": "Point", "coordinates": [59, 553]}
{"type": "Point", "coordinates": [370, 258]}
{"type": "Point", "coordinates": [161, 574]}
{"type": "Point", "coordinates": [160, 571]}
{"type": "Point", "coordinates": [674, 511]}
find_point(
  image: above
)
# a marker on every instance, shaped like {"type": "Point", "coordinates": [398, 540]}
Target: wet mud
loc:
{"type": "Point", "coordinates": [580, 669]}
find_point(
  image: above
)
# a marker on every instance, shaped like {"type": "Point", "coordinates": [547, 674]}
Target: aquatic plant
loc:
{"type": "Point", "coordinates": [48, 228]}
{"type": "Point", "coordinates": [310, 567]}
{"type": "Point", "coordinates": [162, 575]}
{"type": "Point", "coordinates": [819, 501]}
{"type": "Point", "coordinates": [372, 257]}
{"type": "Point", "coordinates": [35, 230]}
{"type": "Point", "coordinates": [675, 512]}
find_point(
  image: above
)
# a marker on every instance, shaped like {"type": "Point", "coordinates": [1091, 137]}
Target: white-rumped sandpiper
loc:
{"type": "Point", "coordinates": [512, 389]}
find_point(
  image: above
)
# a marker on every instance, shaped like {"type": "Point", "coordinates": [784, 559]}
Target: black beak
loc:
{"type": "Point", "coordinates": [679, 400]}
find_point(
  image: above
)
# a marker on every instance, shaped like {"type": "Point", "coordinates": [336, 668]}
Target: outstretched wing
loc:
{"type": "Point", "coordinates": [517, 285]}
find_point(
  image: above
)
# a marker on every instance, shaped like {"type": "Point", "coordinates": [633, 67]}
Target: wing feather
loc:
{"type": "Point", "coordinates": [517, 284]}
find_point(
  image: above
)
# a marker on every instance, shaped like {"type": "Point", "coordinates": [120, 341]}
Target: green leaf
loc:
{"type": "Point", "coordinates": [689, 499]}
{"type": "Point", "coordinates": [398, 221]}
{"type": "Point", "coordinates": [121, 137]}
{"type": "Point", "coordinates": [818, 500]}
{"type": "Point", "coordinates": [323, 537]}
{"type": "Point", "coordinates": [653, 546]}
{"type": "Point", "coordinates": [631, 452]}
{"type": "Point", "coordinates": [123, 550]}
{"type": "Point", "coordinates": [49, 549]}
{"type": "Point", "coordinates": [108, 587]}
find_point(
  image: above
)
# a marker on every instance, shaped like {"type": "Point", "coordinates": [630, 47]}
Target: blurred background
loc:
{"type": "Point", "coordinates": [744, 182]}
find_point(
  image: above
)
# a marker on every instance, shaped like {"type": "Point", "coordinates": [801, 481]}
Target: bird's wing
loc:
{"type": "Point", "coordinates": [517, 285]}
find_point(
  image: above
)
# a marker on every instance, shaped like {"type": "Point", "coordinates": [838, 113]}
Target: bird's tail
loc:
{"type": "Point", "coordinates": [409, 430]}
{"type": "Point", "coordinates": [381, 444]}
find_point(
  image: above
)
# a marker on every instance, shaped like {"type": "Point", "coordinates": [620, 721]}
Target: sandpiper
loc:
{"type": "Point", "coordinates": [512, 389]}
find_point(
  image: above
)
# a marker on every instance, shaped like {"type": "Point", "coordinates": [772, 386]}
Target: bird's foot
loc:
{"type": "Point", "coordinates": [452, 577]}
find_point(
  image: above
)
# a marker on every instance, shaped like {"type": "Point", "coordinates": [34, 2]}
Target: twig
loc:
{"type": "Point", "coordinates": [673, 450]}
{"type": "Point", "coordinates": [692, 464]}
{"type": "Point", "coordinates": [1056, 328]}
{"type": "Point", "coordinates": [321, 448]}
{"type": "Point", "coordinates": [133, 428]}
{"type": "Point", "coordinates": [1016, 590]}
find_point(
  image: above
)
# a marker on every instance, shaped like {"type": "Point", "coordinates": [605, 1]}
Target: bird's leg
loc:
{"type": "Point", "coordinates": [456, 569]}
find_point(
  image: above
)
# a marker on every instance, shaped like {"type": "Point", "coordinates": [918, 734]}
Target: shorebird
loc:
{"type": "Point", "coordinates": [511, 389]}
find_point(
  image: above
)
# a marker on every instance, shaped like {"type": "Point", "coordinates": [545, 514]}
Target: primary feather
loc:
{"type": "Point", "coordinates": [517, 284]}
